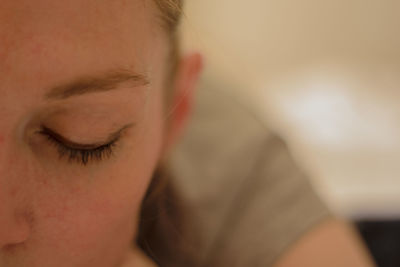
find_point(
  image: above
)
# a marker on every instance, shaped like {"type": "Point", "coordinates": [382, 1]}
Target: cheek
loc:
{"type": "Point", "coordinates": [86, 223]}
{"type": "Point", "coordinates": [82, 220]}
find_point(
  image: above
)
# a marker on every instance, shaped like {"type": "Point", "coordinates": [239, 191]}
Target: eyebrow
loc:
{"type": "Point", "coordinates": [107, 81]}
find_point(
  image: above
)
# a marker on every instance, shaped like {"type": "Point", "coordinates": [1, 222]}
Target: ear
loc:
{"type": "Point", "coordinates": [188, 72]}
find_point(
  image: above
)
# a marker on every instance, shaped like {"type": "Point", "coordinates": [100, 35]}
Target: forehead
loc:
{"type": "Point", "coordinates": [45, 39]}
{"type": "Point", "coordinates": [76, 16]}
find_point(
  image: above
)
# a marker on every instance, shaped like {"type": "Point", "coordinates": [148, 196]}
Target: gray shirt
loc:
{"type": "Point", "coordinates": [249, 200]}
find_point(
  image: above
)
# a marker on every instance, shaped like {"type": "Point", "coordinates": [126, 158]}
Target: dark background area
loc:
{"type": "Point", "coordinates": [383, 240]}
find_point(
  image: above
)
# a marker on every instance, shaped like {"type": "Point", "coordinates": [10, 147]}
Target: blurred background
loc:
{"type": "Point", "coordinates": [325, 75]}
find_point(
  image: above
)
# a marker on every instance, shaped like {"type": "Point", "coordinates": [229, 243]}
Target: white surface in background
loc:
{"type": "Point", "coordinates": [344, 128]}
{"type": "Point", "coordinates": [323, 73]}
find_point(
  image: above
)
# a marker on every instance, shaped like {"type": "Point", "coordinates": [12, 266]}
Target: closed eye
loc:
{"type": "Point", "coordinates": [81, 153]}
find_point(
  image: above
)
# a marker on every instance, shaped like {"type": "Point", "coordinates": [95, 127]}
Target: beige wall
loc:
{"type": "Point", "coordinates": [274, 36]}
{"type": "Point", "coordinates": [323, 73]}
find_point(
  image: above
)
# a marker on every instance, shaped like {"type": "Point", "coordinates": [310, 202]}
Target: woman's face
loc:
{"type": "Point", "coordinates": [81, 127]}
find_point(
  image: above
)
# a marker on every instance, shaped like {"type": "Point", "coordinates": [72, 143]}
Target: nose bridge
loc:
{"type": "Point", "coordinates": [7, 158]}
{"type": "Point", "coordinates": [15, 214]}
{"type": "Point", "coordinates": [15, 224]}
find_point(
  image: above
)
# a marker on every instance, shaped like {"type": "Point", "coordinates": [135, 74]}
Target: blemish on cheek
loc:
{"type": "Point", "coordinates": [37, 49]}
{"type": "Point", "coordinates": [1, 139]}
{"type": "Point", "coordinates": [44, 182]}
{"type": "Point", "coordinates": [13, 192]}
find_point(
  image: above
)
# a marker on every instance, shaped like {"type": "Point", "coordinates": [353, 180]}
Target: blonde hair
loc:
{"type": "Point", "coordinates": [171, 13]}
{"type": "Point", "coordinates": [170, 16]}
{"type": "Point", "coordinates": [162, 231]}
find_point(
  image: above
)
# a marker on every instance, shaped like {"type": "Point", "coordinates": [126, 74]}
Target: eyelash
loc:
{"type": "Point", "coordinates": [79, 155]}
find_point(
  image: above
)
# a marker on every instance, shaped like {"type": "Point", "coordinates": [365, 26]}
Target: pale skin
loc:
{"type": "Point", "coordinates": [57, 211]}
{"type": "Point", "coordinates": [62, 211]}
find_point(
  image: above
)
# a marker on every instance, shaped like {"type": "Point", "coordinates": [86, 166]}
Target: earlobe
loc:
{"type": "Point", "coordinates": [188, 72]}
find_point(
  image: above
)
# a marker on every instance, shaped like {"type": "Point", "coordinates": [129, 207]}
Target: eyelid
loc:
{"type": "Point", "coordinates": [73, 145]}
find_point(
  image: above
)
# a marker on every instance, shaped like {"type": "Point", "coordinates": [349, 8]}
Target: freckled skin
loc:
{"type": "Point", "coordinates": [59, 213]}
